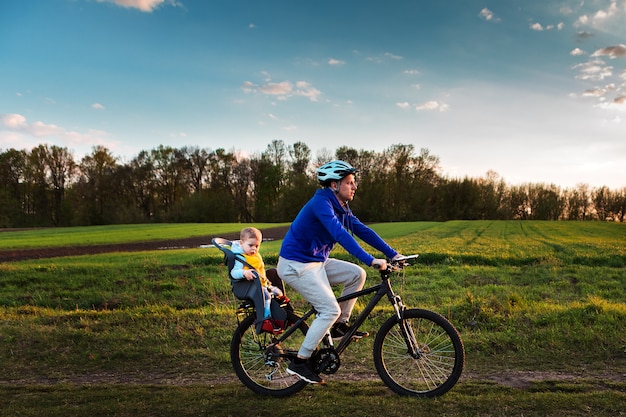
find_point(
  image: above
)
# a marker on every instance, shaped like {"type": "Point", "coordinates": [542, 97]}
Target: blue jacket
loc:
{"type": "Point", "coordinates": [321, 223]}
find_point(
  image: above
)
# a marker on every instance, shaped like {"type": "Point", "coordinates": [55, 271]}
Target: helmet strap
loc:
{"type": "Point", "coordinates": [336, 187]}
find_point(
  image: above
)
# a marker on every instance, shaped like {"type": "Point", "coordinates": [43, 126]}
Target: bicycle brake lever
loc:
{"type": "Point", "coordinates": [406, 258]}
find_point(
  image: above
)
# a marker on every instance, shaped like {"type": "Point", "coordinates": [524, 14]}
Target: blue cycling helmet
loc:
{"type": "Point", "coordinates": [334, 171]}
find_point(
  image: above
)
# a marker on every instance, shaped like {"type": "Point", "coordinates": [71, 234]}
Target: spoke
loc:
{"type": "Point", "coordinates": [264, 363]}
{"type": "Point", "coordinates": [436, 360]}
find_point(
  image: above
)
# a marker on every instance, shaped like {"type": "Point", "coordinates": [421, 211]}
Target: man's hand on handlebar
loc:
{"type": "Point", "coordinates": [380, 264]}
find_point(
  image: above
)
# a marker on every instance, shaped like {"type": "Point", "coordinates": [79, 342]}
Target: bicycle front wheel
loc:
{"type": "Point", "coordinates": [261, 363]}
{"type": "Point", "coordinates": [421, 355]}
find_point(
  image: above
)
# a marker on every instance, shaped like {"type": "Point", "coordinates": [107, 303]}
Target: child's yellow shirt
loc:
{"type": "Point", "coordinates": [256, 261]}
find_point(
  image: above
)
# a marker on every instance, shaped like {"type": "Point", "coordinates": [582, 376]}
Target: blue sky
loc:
{"type": "Point", "coordinates": [534, 90]}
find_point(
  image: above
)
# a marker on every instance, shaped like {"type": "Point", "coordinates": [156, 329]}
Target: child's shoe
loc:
{"type": "Point", "coordinates": [282, 299]}
{"type": "Point", "coordinates": [272, 326]}
{"type": "Point", "coordinates": [279, 326]}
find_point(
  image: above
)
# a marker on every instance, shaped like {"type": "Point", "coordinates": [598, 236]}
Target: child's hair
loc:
{"type": "Point", "coordinates": [249, 232]}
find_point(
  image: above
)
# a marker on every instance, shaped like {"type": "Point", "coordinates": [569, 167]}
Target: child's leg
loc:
{"type": "Point", "coordinates": [274, 279]}
{"type": "Point", "coordinates": [267, 299]}
{"type": "Point", "coordinates": [275, 291]}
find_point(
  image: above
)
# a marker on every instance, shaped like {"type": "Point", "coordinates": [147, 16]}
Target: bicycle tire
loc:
{"type": "Point", "coordinates": [253, 360]}
{"type": "Point", "coordinates": [440, 363]}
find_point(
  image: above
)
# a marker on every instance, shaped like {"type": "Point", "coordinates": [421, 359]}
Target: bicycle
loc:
{"type": "Point", "coordinates": [416, 352]}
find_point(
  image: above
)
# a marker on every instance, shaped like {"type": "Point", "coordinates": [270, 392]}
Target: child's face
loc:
{"type": "Point", "coordinates": [250, 245]}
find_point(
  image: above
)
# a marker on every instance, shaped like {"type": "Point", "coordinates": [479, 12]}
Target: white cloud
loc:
{"type": "Point", "coordinates": [577, 51]}
{"type": "Point", "coordinates": [147, 6]}
{"type": "Point", "coordinates": [582, 20]}
{"type": "Point", "coordinates": [283, 90]}
{"type": "Point", "coordinates": [539, 27]}
{"type": "Point", "coordinates": [277, 89]}
{"type": "Point", "coordinates": [536, 26]}
{"type": "Point", "coordinates": [605, 14]}
{"type": "Point", "coordinates": [593, 70]}
{"type": "Point", "coordinates": [13, 121]}
{"type": "Point", "coordinates": [305, 89]}
{"type": "Point", "coordinates": [248, 87]}
{"type": "Point", "coordinates": [432, 105]}
{"type": "Point", "coordinates": [97, 106]}
{"type": "Point", "coordinates": [488, 15]}
{"type": "Point", "coordinates": [617, 104]}
{"type": "Point", "coordinates": [16, 126]}
{"type": "Point", "coordinates": [411, 72]}
{"type": "Point", "coordinates": [392, 56]}
{"type": "Point", "coordinates": [384, 57]}
{"type": "Point", "coordinates": [594, 92]}
{"type": "Point", "coordinates": [612, 51]}
{"type": "Point", "coordinates": [600, 18]}
{"type": "Point", "coordinates": [333, 61]}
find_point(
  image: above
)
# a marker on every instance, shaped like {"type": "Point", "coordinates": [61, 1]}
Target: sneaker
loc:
{"type": "Point", "coordinates": [304, 372]}
{"type": "Point", "coordinates": [339, 330]}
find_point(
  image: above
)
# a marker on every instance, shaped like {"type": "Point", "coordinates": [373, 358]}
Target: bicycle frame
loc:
{"type": "Point", "coordinates": [380, 291]}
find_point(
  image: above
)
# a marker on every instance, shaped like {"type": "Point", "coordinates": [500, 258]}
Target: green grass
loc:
{"type": "Point", "coordinates": [147, 333]}
{"type": "Point", "coordinates": [102, 235]}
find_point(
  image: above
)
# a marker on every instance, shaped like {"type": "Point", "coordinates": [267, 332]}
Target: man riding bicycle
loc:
{"type": "Point", "coordinates": [304, 263]}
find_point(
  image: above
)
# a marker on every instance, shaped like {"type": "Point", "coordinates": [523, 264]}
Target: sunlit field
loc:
{"type": "Point", "coordinates": [541, 307]}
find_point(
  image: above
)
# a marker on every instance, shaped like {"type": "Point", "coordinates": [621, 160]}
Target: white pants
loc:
{"type": "Point", "coordinates": [314, 281]}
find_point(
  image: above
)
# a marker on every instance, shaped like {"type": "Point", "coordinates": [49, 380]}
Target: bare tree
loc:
{"type": "Point", "coordinates": [198, 163]}
{"type": "Point", "coordinates": [96, 187]}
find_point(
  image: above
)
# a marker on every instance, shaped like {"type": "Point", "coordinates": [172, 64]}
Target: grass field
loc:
{"type": "Point", "coordinates": [541, 307]}
{"type": "Point", "coordinates": [102, 235]}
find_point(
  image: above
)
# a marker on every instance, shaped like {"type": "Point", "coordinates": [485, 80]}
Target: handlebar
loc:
{"type": "Point", "coordinates": [405, 258]}
{"type": "Point", "coordinates": [397, 264]}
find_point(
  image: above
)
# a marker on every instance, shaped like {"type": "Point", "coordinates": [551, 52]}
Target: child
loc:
{"type": "Point", "coordinates": [249, 281]}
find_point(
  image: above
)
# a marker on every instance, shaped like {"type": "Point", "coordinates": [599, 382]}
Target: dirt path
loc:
{"type": "Point", "coordinates": [12, 255]}
{"type": "Point", "coordinates": [522, 380]}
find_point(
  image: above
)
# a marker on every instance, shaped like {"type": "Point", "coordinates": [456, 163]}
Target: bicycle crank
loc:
{"type": "Point", "coordinates": [325, 361]}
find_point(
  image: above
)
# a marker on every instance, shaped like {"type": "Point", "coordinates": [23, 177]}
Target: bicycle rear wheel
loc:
{"type": "Point", "coordinates": [261, 364]}
{"type": "Point", "coordinates": [429, 370]}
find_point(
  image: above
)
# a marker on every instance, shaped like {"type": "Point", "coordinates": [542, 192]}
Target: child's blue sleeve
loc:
{"type": "Point", "coordinates": [237, 271]}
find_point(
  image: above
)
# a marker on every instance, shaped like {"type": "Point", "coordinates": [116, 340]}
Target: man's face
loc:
{"type": "Point", "coordinates": [346, 188]}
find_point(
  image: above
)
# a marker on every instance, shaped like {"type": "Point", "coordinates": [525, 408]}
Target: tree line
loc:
{"type": "Point", "coordinates": [48, 186]}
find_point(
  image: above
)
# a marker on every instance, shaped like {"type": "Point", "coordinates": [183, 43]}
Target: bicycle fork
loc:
{"type": "Point", "coordinates": [405, 327]}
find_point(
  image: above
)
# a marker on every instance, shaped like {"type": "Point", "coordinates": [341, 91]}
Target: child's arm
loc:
{"type": "Point", "coordinates": [239, 272]}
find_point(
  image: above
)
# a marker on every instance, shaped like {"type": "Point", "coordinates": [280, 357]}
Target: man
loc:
{"type": "Point", "coordinates": [305, 265]}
